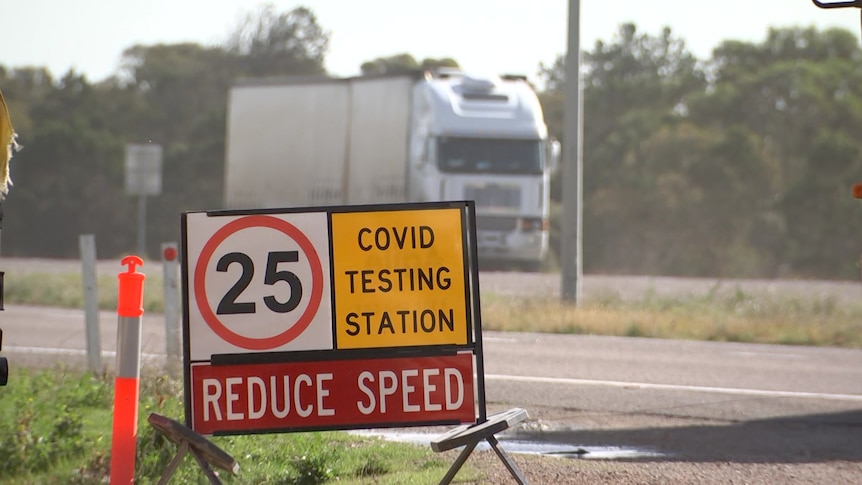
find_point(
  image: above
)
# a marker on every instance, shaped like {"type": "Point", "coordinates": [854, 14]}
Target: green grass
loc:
{"type": "Point", "coordinates": [726, 315]}
{"type": "Point", "coordinates": [67, 290]}
{"type": "Point", "coordinates": [55, 428]}
{"type": "Point", "coordinates": [732, 316]}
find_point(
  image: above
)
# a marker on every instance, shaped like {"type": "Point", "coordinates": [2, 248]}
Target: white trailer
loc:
{"type": "Point", "coordinates": [404, 138]}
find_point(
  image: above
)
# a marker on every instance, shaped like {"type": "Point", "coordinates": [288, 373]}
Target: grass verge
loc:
{"type": "Point", "coordinates": [732, 316]}
{"type": "Point", "coordinates": [55, 428]}
{"type": "Point", "coordinates": [720, 315]}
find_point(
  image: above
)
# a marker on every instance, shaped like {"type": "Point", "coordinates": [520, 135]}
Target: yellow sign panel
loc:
{"type": "Point", "coordinates": [399, 278]}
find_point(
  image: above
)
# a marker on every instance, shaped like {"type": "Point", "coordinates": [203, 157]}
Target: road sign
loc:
{"type": "Point", "coordinates": [399, 278]}
{"type": "Point", "coordinates": [259, 282]}
{"type": "Point", "coordinates": [345, 394]}
{"type": "Point", "coordinates": [143, 169]}
{"type": "Point", "coordinates": [336, 318]}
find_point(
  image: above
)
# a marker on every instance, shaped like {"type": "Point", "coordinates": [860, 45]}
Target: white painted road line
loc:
{"type": "Point", "coordinates": [542, 380]}
{"type": "Point", "coordinates": [674, 387]}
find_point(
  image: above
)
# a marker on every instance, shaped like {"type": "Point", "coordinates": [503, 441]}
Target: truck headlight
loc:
{"type": "Point", "coordinates": [530, 224]}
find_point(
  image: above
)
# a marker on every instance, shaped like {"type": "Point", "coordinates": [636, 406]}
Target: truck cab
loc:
{"type": "Point", "coordinates": [483, 138]}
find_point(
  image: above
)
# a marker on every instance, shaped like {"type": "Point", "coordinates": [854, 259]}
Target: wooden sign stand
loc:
{"type": "Point", "coordinates": [204, 451]}
{"type": "Point", "coordinates": [469, 436]}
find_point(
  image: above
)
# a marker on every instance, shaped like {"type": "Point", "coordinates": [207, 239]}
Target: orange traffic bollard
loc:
{"type": "Point", "coordinates": [130, 309]}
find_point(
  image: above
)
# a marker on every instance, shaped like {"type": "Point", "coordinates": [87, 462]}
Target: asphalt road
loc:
{"type": "Point", "coordinates": [677, 399]}
{"type": "Point", "coordinates": [683, 401]}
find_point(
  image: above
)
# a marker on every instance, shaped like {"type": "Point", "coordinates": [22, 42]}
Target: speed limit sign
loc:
{"type": "Point", "coordinates": [257, 282]}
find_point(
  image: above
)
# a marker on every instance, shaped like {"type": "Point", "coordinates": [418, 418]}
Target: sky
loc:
{"type": "Point", "coordinates": [502, 36]}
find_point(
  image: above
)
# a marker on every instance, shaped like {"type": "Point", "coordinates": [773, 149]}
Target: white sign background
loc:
{"type": "Point", "coordinates": [257, 242]}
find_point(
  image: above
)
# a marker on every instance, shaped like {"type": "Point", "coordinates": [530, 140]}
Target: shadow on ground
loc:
{"type": "Point", "coordinates": [793, 439]}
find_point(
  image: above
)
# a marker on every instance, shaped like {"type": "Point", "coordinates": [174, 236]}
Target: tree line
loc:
{"type": "Point", "coordinates": [738, 165]}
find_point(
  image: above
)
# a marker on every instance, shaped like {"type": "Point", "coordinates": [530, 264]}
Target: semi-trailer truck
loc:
{"type": "Point", "coordinates": [414, 137]}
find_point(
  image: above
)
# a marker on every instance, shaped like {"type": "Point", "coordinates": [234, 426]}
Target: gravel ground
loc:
{"type": "Point", "coordinates": [775, 453]}
{"type": "Point", "coordinates": [550, 470]}
{"type": "Point", "coordinates": [753, 462]}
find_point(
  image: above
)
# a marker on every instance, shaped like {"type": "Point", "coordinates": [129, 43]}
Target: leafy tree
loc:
{"type": "Point", "coordinates": [185, 87]}
{"type": "Point", "coordinates": [68, 178]}
{"type": "Point", "coordinates": [799, 92]}
{"type": "Point", "coordinates": [270, 43]}
{"type": "Point", "coordinates": [633, 90]}
{"type": "Point", "coordinates": [178, 83]}
{"type": "Point", "coordinates": [738, 165]}
{"type": "Point", "coordinates": [24, 87]}
{"type": "Point", "coordinates": [822, 240]}
{"type": "Point", "coordinates": [443, 62]}
{"type": "Point", "coordinates": [783, 92]}
{"type": "Point", "coordinates": [680, 200]}
{"type": "Point", "coordinates": [552, 97]}
{"type": "Point", "coordinates": [400, 63]}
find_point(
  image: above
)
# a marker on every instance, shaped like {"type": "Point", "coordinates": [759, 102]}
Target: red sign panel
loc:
{"type": "Point", "coordinates": [342, 394]}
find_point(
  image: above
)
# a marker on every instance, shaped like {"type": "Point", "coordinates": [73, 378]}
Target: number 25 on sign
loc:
{"type": "Point", "coordinates": [258, 282]}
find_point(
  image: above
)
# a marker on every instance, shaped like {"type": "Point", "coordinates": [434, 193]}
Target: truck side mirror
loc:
{"type": "Point", "coordinates": [429, 152]}
{"type": "Point", "coordinates": [553, 154]}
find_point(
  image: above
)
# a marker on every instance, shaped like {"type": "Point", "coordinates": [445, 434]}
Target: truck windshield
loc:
{"type": "Point", "coordinates": [490, 155]}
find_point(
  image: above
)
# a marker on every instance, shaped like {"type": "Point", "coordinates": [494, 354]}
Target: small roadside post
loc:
{"type": "Point", "coordinates": [87, 247]}
{"type": "Point", "coordinates": [170, 271]}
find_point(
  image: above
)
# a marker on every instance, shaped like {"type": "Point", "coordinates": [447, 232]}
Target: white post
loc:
{"type": "Point", "coordinates": [87, 243]}
{"type": "Point", "coordinates": [142, 224]}
{"type": "Point", "coordinates": [572, 218]}
{"type": "Point", "coordinates": [170, 266]}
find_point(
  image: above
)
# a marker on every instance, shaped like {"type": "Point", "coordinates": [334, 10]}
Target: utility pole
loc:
{"type": "Point", "coordinates": [572, 169]}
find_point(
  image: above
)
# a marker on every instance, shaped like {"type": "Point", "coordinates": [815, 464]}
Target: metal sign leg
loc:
{"type": "Point", "coordinates": [174, 464]}
{"type": "Point", "coordinates": [187, 441]}
{"type": "Point", "coordinates": [504, 457]}
{"type": "Point", "coordinates": [453, 470]}
{"type": "Point", "coordinates": [207, 469]}
{"type": "Point", "coordinates": [469, 436]}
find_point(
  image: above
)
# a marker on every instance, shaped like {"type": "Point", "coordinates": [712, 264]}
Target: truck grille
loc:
{"type": "Point", "coordinates": [496, 196]}
{"type": "Point", "coordinates": [386, 192]}
{"type": "Point", "coordinates": [496, 223]}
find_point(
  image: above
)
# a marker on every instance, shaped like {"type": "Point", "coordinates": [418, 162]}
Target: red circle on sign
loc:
{"type": "Point", "coordinates": [170, 253]}
{"type": "Point", "coordinates": [200, 283]}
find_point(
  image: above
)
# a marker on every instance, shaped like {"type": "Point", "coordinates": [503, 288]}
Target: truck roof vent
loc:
{"type": "Point", "coordinates": [481, 88]}
{"type": "Point", "coordinates": [485, 96]}
{"type": "Point", "coordinates": [443, 73]}
{"type": "Point", "coordinates": [474, 83]}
